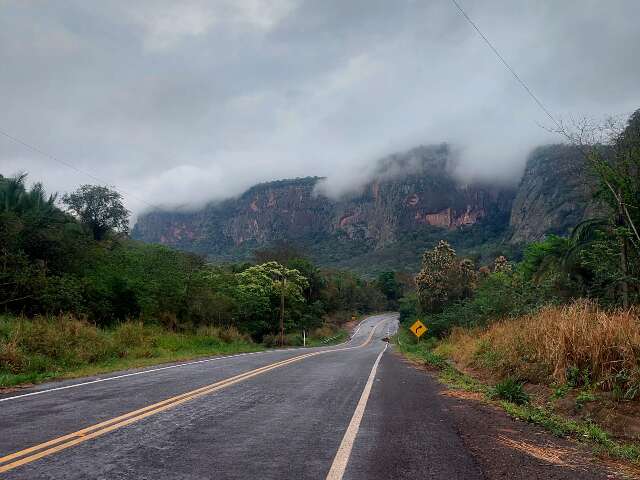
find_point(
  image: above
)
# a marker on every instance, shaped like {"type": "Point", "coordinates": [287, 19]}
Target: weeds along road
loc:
{"type": "Point", "coordinates": [351, 411]}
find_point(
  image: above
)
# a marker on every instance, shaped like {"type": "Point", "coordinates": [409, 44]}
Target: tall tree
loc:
{"type": "Point", "coordinates": [613, 152]}
{"type": "Point", "coordinates": [389, 286]}
{"type": "Point", "coordinates": [444, 279]}
{"type": "Point", "coordinates": [99, 208]}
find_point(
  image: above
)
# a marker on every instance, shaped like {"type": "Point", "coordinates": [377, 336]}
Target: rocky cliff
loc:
{"type": "Point", "coordinates": [411, 200]}
{"type": "Point", "coordinates": [554, 195]}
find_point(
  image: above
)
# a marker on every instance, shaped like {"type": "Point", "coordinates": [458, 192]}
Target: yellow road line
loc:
{"type": "Point", "coordinates": [36, 452]}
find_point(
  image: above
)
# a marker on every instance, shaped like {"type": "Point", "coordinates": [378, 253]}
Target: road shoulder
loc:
{"type": "Point", "coordinates": [503, 447]}
{"type": "Point", "coordinates": [406, 432]}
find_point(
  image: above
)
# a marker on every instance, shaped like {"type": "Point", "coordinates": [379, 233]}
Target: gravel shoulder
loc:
{"type": "Point", "coordinates": [503, 447]}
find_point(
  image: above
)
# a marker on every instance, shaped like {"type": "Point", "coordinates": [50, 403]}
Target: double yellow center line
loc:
{"type": "Point", "coordinates": [36, 452]}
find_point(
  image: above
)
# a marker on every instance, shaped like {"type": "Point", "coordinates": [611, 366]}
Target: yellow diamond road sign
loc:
{"type": "Point", "coordinates": [418, 328]}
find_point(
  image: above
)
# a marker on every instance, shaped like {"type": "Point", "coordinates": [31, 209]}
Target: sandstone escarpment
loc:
{"type": "Point", "coordinates": [411, 193]}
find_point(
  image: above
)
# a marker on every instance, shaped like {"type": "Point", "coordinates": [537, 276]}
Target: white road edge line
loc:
{"type": "Point", "coordinates": [152, 370]}
{"type": "Point", "coordinates": [341, 459]}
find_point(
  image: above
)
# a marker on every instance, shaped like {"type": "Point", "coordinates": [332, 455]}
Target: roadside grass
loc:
{"type": "Point", "coordinates": [580, 344]}
{"type": "Point", "coordinates": [320, 337]}
{"type": "Point", "coordinates": [320, 341]}
{"type": "Point", "coordinates": [510, 396]}
{"type": "Point", "coordinates": [44, 348]}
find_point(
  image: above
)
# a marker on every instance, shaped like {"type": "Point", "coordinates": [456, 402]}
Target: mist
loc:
{"type": "Point", "coordinates": [181, 104]}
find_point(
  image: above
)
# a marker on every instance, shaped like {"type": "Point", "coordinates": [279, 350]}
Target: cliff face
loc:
{"type": "Point", "coordinates": [412, 197]}
{"type": "Point", "coordinates": [411, 191]}
{"type": "Point", "coordinates": [554, 195]}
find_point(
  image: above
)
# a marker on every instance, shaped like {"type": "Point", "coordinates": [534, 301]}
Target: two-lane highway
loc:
{"type": "Point", "coordinates": [298, 413]}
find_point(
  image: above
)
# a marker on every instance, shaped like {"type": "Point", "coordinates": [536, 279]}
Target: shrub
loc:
{"type": "Point", "coordinates": [408, 307]}
{"type": "Point", "coordinates": [133, 335]}
{"type": "Point", "coordinates": [50, 343]}
{"type": "Point", "coordinates": [231, 335]}
{"type": "Point", "coordinates": [510, 390]}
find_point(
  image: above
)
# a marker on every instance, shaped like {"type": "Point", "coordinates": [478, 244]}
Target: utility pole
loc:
{"type": "Point", "coordinates": [283, 285]}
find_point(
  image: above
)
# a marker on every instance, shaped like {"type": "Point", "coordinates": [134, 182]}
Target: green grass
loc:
{"type": "Point", "coordinates": [32, 351]}
{"type": "Point", "coordinates": [519, 407]}
{"type": "Point", "coordinates": [510, 390]}
{"type": "Point", "coordinates": [116, 364]}
{"type": "Point", "coordinates": [36, 350]}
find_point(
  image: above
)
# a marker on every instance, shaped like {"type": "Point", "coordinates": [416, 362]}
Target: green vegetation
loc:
{"type": "Point", "coordinates": [481, 242]}
{"type": "Point", "coordinates": [566, 315]}
{"type": "Point", "coordinates": [33, 350]}
{"type": "Point", "coordinates": [78, 272]}
{"type": "Point", "coordinates": [510, 390]}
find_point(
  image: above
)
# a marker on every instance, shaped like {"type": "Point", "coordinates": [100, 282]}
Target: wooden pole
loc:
{"type": "Point", "coordinates": [284, 283]}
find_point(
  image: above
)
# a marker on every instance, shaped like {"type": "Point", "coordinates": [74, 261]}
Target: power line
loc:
{"type": "Point", "coordinates": [506, 64]}
{"type": "Point", "coordinates": [73, 167]}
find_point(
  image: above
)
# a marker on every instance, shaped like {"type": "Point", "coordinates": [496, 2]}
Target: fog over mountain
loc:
{"type": "Point", "coordinates": [185, 102]}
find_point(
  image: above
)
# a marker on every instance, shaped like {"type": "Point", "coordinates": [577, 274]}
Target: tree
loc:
{"type": "Point", "coordinates": [443, 279]}
{"type": "Point", "coordinates": [14, 197]}
{"type": "Point", "coordinates": [613, 154]}
{"type": "Point", "coordinates": [99, 208]}
{"type": "Point", "coordinates": [389, 286]}
{"type": "Point", "coordinates": [259, 292]}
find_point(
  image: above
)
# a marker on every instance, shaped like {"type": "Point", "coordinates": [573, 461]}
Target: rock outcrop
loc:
{"type": "Point", "coordinates": [554, 195]}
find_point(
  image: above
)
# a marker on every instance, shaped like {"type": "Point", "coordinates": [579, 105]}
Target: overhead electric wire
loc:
{"type": "Point", "coordinates": [506, 64]}
{"type": "Point", "coordinates": [455, 3]}
{"type": "Point", "coordinates": [73, 167]}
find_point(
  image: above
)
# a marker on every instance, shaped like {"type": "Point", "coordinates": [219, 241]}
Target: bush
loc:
{"type": "Point", "coordinates": [408, 308]}
{"type": "Point", "coordinates": [134, 337]}
{"type": "Point", "coordinates": [51, 343]}
{"type": "Point", "coordinates": [510, 390]}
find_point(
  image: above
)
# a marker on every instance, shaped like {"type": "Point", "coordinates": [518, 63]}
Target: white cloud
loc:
{"type": "Point", "coordinates": [182, 102]}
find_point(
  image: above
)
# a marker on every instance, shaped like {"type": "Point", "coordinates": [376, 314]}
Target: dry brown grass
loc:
{"type": "Point", "coordinates": [579, 342]}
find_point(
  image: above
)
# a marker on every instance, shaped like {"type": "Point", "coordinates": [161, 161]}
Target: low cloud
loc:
{"type": "Point", "coordinates": [181, 104]}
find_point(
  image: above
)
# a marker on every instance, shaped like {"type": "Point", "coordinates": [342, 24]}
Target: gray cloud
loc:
{"type": "Point", "coordinates": [185, 102]}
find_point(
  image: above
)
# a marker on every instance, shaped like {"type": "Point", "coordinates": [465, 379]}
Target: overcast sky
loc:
{"type": "Point", "coordinates": [184, 102]}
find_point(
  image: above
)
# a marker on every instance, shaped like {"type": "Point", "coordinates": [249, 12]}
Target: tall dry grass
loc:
{"type": "Point", "coordinates": [577, 343]}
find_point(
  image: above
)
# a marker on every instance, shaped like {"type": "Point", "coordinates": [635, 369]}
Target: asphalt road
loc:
{"type": "Point", "coordinates": [352, 411]}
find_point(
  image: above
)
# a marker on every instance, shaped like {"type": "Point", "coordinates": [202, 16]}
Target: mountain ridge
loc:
{"type": "Point", "coordinates": [413, 195]}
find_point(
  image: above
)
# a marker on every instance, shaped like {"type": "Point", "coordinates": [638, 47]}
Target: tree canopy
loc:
{"type": "Point", "coordinates": [99, 208]}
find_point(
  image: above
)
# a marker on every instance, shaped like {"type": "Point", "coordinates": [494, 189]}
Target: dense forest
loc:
{"type": "Point", "coordinates": [68, 265]}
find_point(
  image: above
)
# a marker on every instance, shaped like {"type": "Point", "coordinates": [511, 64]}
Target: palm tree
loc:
{"type": "Point", "coordinates": [16, 198]}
